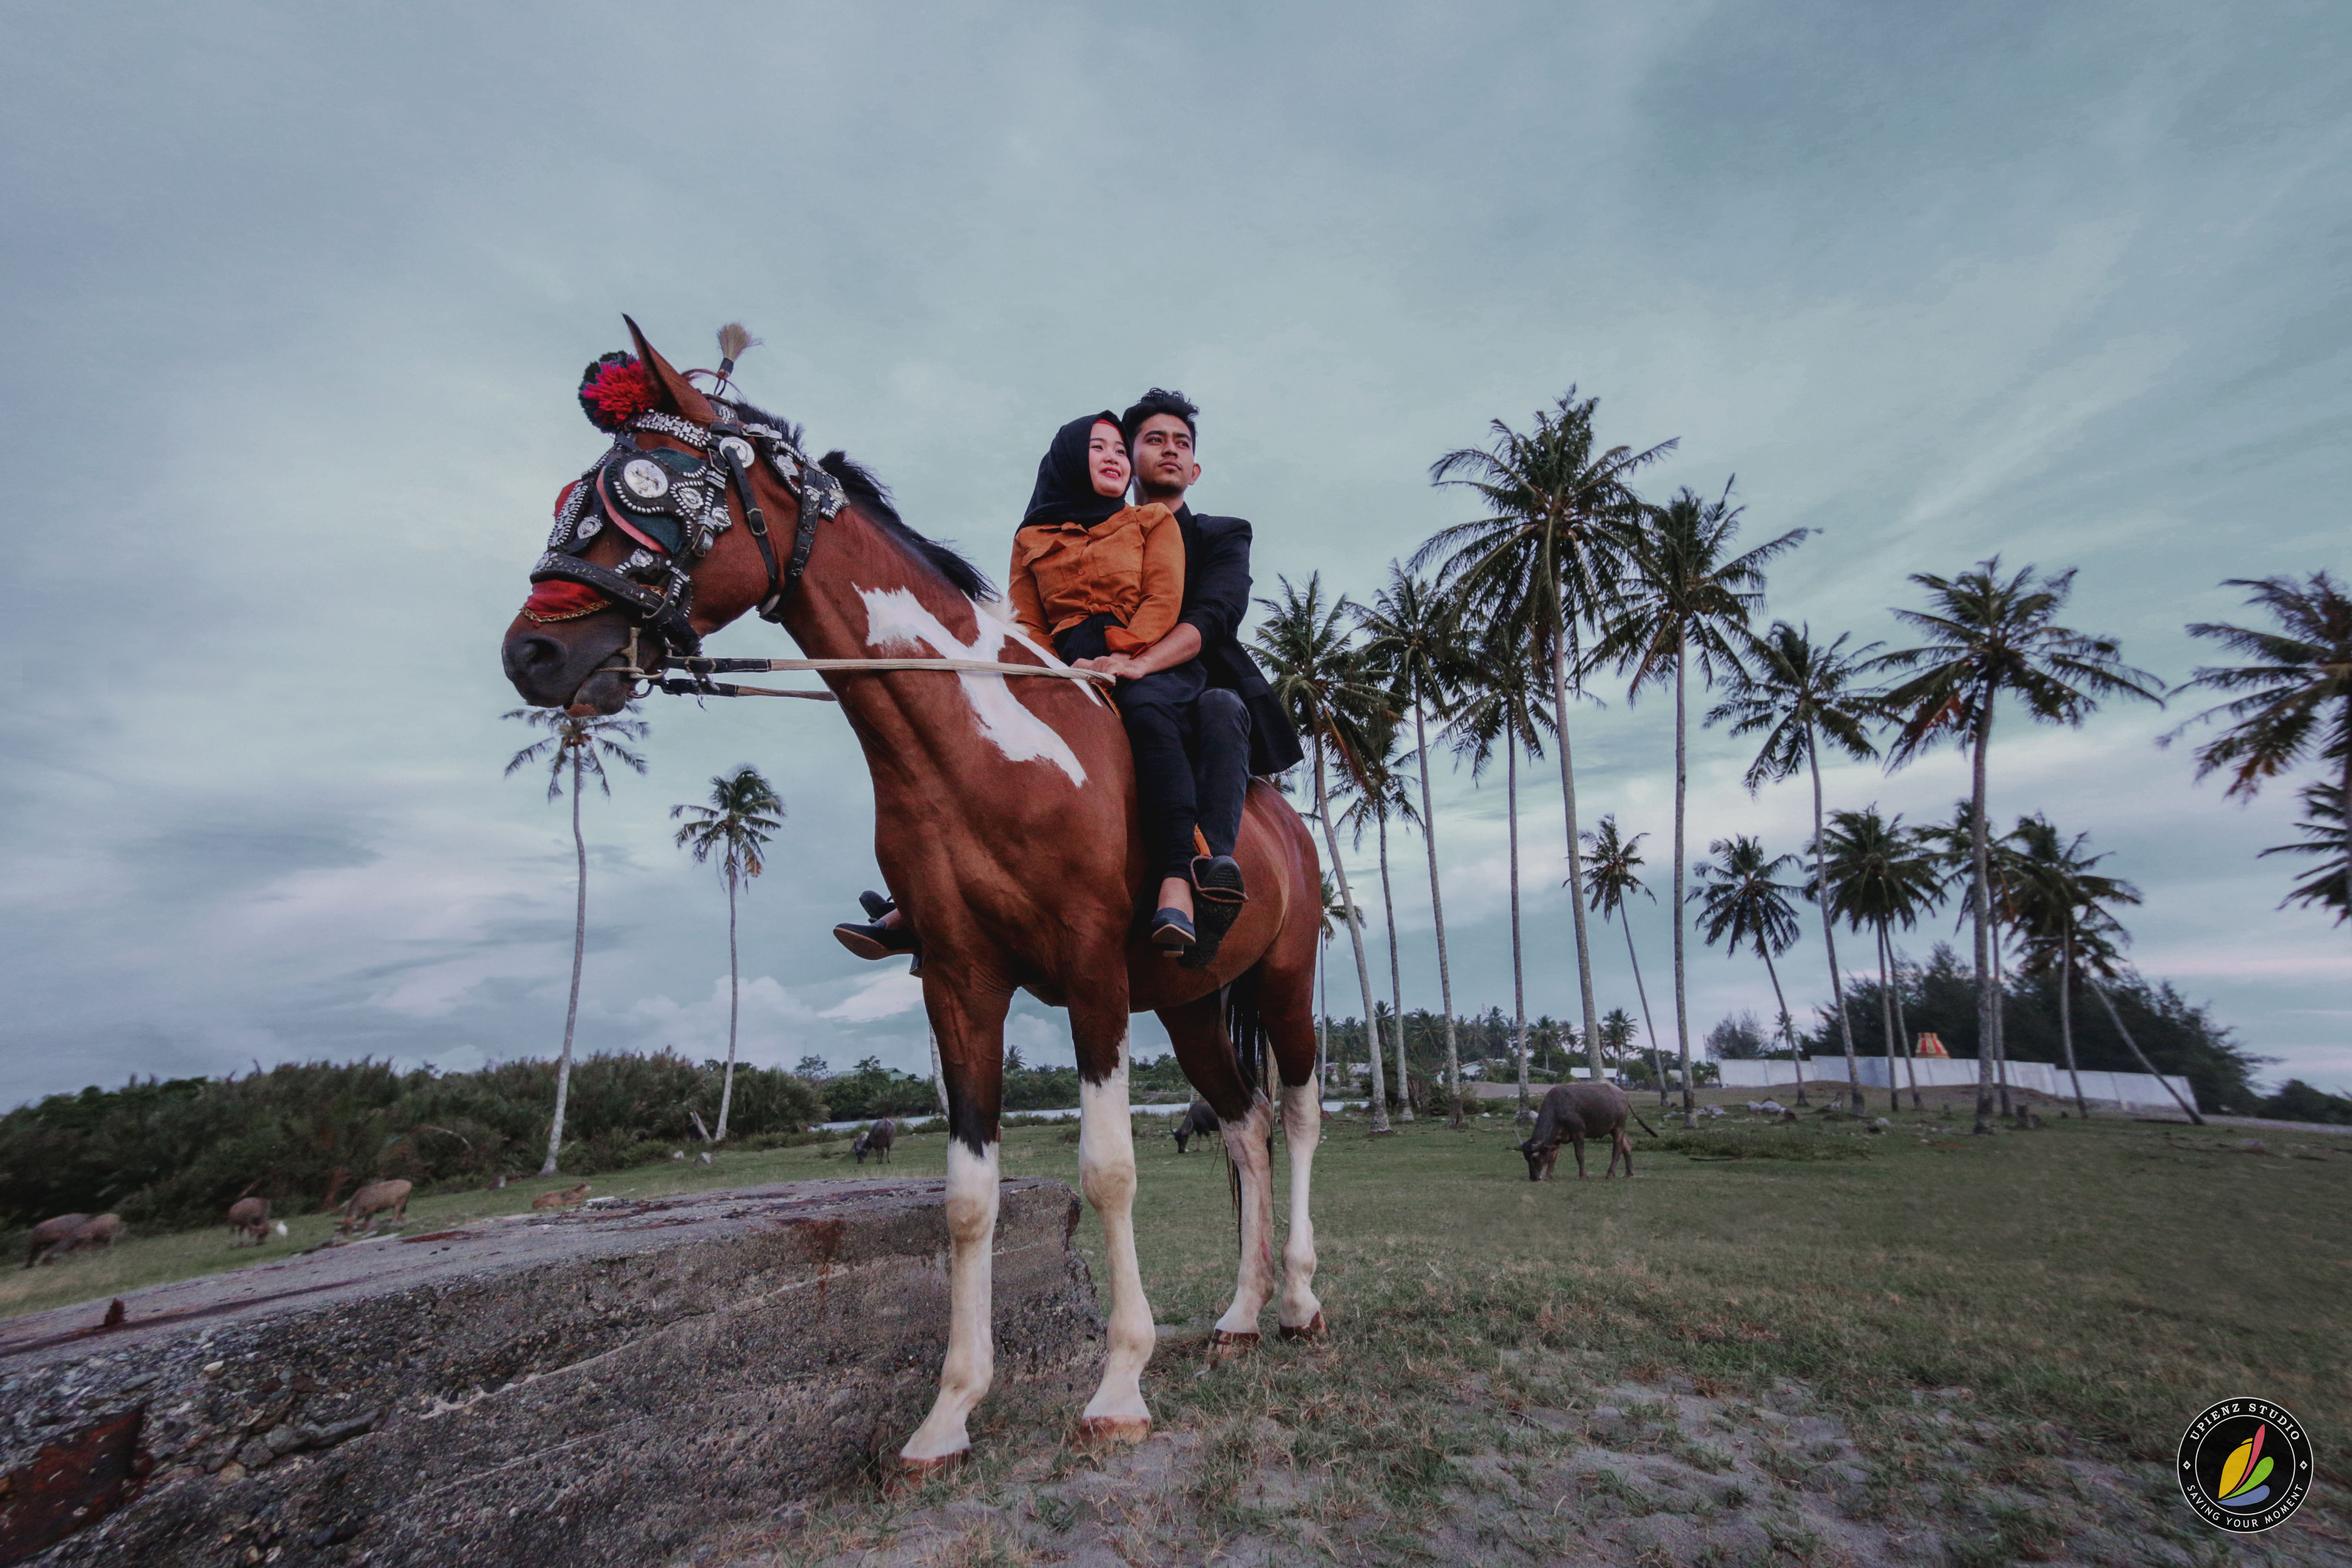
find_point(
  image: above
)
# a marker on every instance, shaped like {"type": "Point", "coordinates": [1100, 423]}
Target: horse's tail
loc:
{"type": "Point", "coordinates": [1245, 1028]}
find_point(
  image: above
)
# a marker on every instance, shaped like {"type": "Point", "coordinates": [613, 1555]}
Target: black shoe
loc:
{"type": "Point", "coordinates": [1217, 901]}
{"type": "Point", "coordinates": [876, 905]}
{"type": "Point", "coordinates": [876, 940]}
{"type": "Point", "coordinates": [1171, 933]}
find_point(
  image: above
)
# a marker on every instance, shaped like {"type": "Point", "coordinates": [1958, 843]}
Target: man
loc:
{"type": "Point", "coordinates": [1234, 729]}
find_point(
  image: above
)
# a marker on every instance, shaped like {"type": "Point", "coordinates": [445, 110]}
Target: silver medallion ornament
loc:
{"type": "Point", "coordinates": [646, 479]}
{"type": "Point", "coordinates": [738, 449]}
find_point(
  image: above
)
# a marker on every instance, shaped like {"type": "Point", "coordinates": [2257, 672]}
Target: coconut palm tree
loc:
{"type": "Point", "coordinates": [1501, 712]}
{"type": "Point", "coordinates": [1801, 694]}
{"type": "Point", "coordinates": [1688, 599]}
{"type": "Point", "coordinates": [1610, 879]}
{"type": "Point", "coordinates": [1546, 560]}
{"type": "Point", "coordinates": [1741, 900]}
{"type": "Point", "coordinates": [1386, 791]}
{"type": "Point", "coordinates": [2329, 885]}
{"type": "Point", "coordinates": [1336, 912]}
{"type": "Point", "coordinates": [2295, 699]}
{"type": "Point", "coordinates": [1321, 680]}
{"type": "Point", "coordinates": [1879, 873]}
{"type": "Point", "coordinates": [1956, 841]}
{"type": "Point", "coordinates": [1986, 634]}
{"type": "Point", "coordinates": [744, 810]}
{"type": "Point", "coordinates": [1617, 1035]}
{"type": "Point", "coordinates": [1414, 640]}
{"type": "Point", "coordinates": [2065, 909]}
{"type": "Point", "coordinates": [575, 747]}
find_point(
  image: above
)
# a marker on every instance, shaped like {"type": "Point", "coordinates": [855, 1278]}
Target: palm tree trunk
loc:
{"type": "Point", "coordinates": [1437, 909]}
{"type": "Point", "coordinates": [1682, 782]}
{"type": "Point", "coordinates": [1829, 929]}
{"type": "Point", "coordinates": [1518, 968]}
{"type": "Point", "coordinates": [1575, 852]}
{"type": "Point", "coordinates": [1396, 981]}
{"type": "Point", "coordinates": [2066, 1011]}
{"type": "Point", "coordinates": [1356, 938]}
{"type": "Point", "coordinates": [938, 1080]}
{"type": "Point", "coordinates": [1788, 1028]}
{"type": "Point", "coordinates": [734, 1012]}
{"type": "Point", "coordinates": [1657, 1067]}
{"type": "Point", "coordinates": [1323, 1012]}
{"type": "Point", "coordinates": [2117, 1019]}
{"type": "Point", "coordinates": [2000, 1036]}
{"type": "Point", "coordinates": [579, 951]}
{"type": "Point", "coordinates": [1980, 872]}
{"type": "Point", "coordinates": [1902, 1027]}
{"type": "Point", "coordinates": [1892, 1024]}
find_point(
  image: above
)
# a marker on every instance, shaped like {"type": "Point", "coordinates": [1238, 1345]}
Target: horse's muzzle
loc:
{"type": "Point", "coordinates": [552, 672]}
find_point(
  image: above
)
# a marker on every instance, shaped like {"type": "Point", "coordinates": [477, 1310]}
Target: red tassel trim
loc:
{"type": "Point", "coordinates": [616, 390]}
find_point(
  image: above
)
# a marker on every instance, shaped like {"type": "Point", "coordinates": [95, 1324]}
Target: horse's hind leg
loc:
{"type": "Point", "coordinates": [972, 1059]}
{"type": "Point", "coordinates": [1197, 1030]}
{"type": "Point", "coordinates": [1106, 1175]}
{"type": "Point", "coordinates": [1285, 1002]}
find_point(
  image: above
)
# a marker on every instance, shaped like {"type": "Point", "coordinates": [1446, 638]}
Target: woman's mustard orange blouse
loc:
{"type": "Point", "coordinates": [1131, 565]}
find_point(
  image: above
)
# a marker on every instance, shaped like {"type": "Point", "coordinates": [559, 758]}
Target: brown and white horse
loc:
{"type": "Point", "coordinates": [1005, 826]}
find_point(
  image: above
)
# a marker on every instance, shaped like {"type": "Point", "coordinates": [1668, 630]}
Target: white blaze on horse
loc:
{"type": "Point", "coordinates": [1005, 828]}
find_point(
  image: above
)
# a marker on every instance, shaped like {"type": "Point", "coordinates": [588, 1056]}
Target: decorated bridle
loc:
{"type": "Point", "coordinates": [673, 506]}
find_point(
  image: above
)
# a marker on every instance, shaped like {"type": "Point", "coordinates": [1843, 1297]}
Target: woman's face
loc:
{"type": "Point", "coordinates": [1106, 460]}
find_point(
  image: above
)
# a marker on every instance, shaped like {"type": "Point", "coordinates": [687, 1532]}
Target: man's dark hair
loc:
{"type": "Point", "coordinates": [1160, 400]}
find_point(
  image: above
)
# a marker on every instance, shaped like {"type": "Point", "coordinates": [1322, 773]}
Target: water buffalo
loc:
{"type": "Point", "coordinates": [562, 1198]}
{"type": "Point", "coordinates": [1576, 1111]}
{"type": "Point", "coordinates": [50, 1232]}
{"type": "Point", "coordinates": [375, 1198]}
{"type": "Point", "coordinates": [875, 1140]}
{"type": "Point", "coordinates": [250, 1216]}
{"type": "Point", "coordinates": [100, 1230]}
{"type": "Point", "coordinates": [1197, 1121]}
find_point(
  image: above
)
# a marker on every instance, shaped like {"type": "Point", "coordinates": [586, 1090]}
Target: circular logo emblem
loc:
{"type": "Point", "coordinates": [2245, 1465]}
{"type": "Point", "coordinates": [647, 481]}
{"type": "Point", "coordinates": [735, 446]}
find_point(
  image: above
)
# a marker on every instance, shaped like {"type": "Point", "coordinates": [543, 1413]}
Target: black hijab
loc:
{"type": "Point", "coordinates": [1066, 488]}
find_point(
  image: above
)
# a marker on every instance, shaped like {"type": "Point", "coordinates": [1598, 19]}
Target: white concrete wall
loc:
{"type": "Point", "coordinates": [2132, 1090]}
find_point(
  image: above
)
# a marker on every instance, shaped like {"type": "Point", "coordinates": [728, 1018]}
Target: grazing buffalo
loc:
{"type": "Point", "coordinates": [1197, 1121]}
{"type": "Point", "coordinates": [375, 1198]}
{"type": "Point", "coordinates": [1576, 1111]}
{"type": "Point", "coordinates": [562, 1198]}
{"type": "Point", "coordinates": [875, 1140]}
{"type": "Point", "coordinates": [50, 1232]}
{"type": "Point", "coordinates": [100, 1230]}
{"type": "Point", "coordinates": [250, 1216]}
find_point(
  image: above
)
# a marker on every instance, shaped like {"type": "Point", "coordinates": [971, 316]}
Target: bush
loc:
{"type": "Point", "coordinates": [305, 1134]}
{"type": "Point", "coordinates": [2298, 1101]}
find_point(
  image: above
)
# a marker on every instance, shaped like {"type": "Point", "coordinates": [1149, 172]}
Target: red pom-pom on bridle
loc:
{"type": "Point", "coordinates": [616, 390]}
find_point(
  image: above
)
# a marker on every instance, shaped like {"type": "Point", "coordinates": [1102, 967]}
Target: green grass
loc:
{"type": "Point", "coordinates": [2110, 1278]}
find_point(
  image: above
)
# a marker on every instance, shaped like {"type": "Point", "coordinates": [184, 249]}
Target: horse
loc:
{"type": "Point", "coordinates": [1577, 1111]}
{"type": "Point", "coordinates": [1006, 828]}
{"type": "Point", "coordinates": [1197, 1121]}
{"type": "Point", "coordinates": [875, 1140]}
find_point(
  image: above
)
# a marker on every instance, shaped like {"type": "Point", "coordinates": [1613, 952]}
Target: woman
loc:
{"type": "Point", "coordinates": [1100, 579]}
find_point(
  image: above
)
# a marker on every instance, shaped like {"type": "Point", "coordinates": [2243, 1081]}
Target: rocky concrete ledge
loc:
{"type": "Point", "coordinates": [596, 1387]}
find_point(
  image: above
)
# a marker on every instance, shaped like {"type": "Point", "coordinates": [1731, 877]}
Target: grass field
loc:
{"type": "Point", "coordinates": [1997, 1342]}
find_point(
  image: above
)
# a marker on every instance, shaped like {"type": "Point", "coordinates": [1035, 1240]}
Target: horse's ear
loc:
{"type": "Point", "coordinates": [678, 395]}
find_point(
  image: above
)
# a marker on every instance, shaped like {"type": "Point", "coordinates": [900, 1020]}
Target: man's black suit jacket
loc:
{"type": "Point", "coordinates": [1216, 598]}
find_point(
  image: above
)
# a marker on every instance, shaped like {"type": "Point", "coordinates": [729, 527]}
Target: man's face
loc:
{"type": "Point", "coordinates": [1162, 449]}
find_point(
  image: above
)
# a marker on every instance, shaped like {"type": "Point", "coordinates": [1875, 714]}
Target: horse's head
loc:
{"type": "Point", "coordinates": [690, 518]}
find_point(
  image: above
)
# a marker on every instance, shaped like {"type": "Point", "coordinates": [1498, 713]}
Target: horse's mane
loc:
{"type": "Point", "coordinates": [872, 497]}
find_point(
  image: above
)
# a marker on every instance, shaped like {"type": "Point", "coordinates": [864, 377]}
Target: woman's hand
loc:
{"type": "Point", "coordinates": [1125, 665]}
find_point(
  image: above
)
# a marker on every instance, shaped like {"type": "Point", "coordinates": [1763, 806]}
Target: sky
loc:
{"type": "Point", "coordinates": [297, 299]}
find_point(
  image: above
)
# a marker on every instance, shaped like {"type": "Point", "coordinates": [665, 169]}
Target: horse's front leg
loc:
{"type": "Point", "coordinates": [972, 1062]}
{"type": "Point", "coordinates": [1106, 1175]}
{"type": "Point", "coordinates": [1302, 1128]}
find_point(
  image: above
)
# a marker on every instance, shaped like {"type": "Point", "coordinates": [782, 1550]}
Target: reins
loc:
{"type": "Point", "coordinates": [696, 682]}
